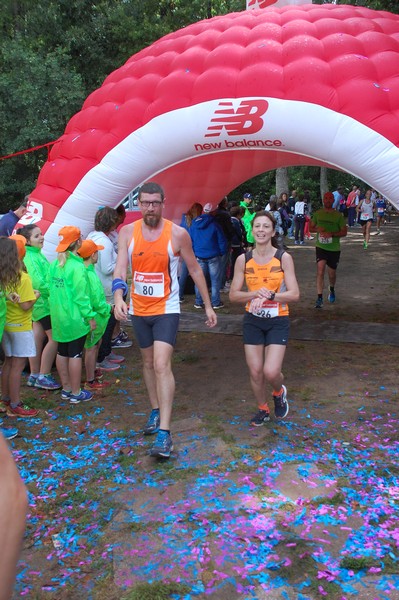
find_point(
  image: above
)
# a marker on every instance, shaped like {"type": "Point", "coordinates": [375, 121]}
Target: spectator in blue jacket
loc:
{"type": "Point", "coordinates": [10, 219]}
{"type": "Point", "coordinates": [209, 244]}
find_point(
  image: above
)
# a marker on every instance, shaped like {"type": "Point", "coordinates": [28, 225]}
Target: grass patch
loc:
{"type": "Point", "coordinates": [335, 500]}
{"type": "Point", "coordinates": [215, 429]}
{"type": "Point", "coordinates": [156, 591]}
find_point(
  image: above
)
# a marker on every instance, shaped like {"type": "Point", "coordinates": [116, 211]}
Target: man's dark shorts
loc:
{"type": "Point", "coordinates": [330, 256]}
{"type": "Point", "coordinates": [259, 331]}
{"type": "Point", "coordinates": [159, 328]}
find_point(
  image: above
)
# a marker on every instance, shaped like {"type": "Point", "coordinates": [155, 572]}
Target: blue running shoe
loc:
{"type": "Point", "coordinates": [9, 432]}
{"type": "Point", "coordinates": [31, 380]}
{"type": "Point", "coordinates": [331, 297]}
{"type": "Point", "coordinates": [281, 406]}
{"type": "Point", "coordinates": [65, 394]}
{"type": "Point", "coordinates": [83, 396]}
{"type": "Point", "coordinates": [46, 382]}
{"type": "Point", "coordinates": [319, 303]}
{"type": "Point", "coordinates": [152, 425]}
{"type": "Point", "coordinates": [261, 417]}
{"type": "Point", "coordinates": [163, 445]}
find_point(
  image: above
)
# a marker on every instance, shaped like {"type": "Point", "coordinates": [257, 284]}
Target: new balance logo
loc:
{"type": "Point", "coordinates": [247, 119]}
{"type": "Point", "coordinates": [260, 3]}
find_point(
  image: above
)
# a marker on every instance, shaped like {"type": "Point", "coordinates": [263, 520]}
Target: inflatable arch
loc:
{"type": "Point", "coordinates": [205, 108]}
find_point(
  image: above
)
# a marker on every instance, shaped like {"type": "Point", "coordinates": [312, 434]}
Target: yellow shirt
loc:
{"type": "Point", "coordinates": [18, 319]}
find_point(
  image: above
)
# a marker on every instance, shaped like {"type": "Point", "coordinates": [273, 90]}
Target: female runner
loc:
{"type": "Point", "coordinates": [269, 275]}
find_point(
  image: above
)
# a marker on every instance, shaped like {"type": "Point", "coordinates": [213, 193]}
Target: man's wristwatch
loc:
{"type": "Point", "coordinates": [272, 296]}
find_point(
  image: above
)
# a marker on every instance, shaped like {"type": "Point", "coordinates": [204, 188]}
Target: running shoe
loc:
{"type": "Point", "coordinates": [21, 410]}
{"type": "Point", "coordinates": [261, 417]}
{"type": "Point", "coordinates": [83, 396]}
{"type": "Point", "coordinates": [281, 406]}
{"type": "Point", "coordinates": [319, 303]}
{"type": "Point", "coordinates": [4, 404]}
{"type": "Point", "coordinates": [31, 380]}
{"type": "Point", "coordinates": [163, 445]}
{"type": "Point", "coordinates": [118, 342]}
{"type": "Point", "coordinates": [115, 358]}
{"type": "Point", "coordinates": [124, 336]}
{"type": "Point", "coordinates": [9, 432]}
{"type": "Point", "coordinates": [106, 365]}
{"type": "Point", "coordinates": [365, 245]}
{"type": "Point", "coordinates": [217, 306]}
{"type": "Point", "coordinates": [47, 382]}
{"type": "Point", "coordinates": [198, 306]}
{"type": "Point", "coordinates": [152, 425]}
{"type": "Point", "coordinates": [65, 394]}
{"type": "Point", "coordinates": [98, 374]}
{"type": "Point", "coordinates": [331, 297]}
{"type": "Point", "coordinates": [95, 385]}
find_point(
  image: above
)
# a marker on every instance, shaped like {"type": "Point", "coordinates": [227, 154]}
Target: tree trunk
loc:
{"type": "Point", "coordinates": [323, 181]}
{"type": "Point", "coordinates": [282, 183]}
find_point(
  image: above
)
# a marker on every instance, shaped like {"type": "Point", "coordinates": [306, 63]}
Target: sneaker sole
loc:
{"type": "Point", "coordinates": [150, 432]}
{"type": "Point", "coordinates": [13, 415]}
{"type": "Point", "coordinates": [46, 387]}
{"type": "Point", "coordinates": [10, 437]}
{"type": "Point", "coordinates": [266, 420]}
{"type": "Point", "coordinates": [288, 406]}
{"type": "Point", "coordinates": [160, 454]}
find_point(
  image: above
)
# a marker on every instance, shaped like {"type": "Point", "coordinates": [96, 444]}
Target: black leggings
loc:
{"type": "Point", "coordinates": [105, 347]}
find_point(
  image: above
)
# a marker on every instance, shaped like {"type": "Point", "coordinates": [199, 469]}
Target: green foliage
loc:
{"type": "Point", "coordinates": [55, 52]}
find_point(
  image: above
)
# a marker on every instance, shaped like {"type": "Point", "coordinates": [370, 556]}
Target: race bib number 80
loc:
{"type": "Point", "coordinates": [149, 284]}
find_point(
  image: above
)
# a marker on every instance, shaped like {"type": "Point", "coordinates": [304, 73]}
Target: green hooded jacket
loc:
{"type": "Point", "coordinates": [70, 306]}
{"type": "Point", "coordinates": [38, 266]}
{"type": "Point", "coordinates": [99, 304]}
{"type": "Point", "coordinates": [247, 222]}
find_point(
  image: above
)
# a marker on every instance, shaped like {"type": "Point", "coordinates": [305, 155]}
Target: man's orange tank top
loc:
{"type": "Point", "coordinates": [155, 287]}
{"type": "Point", "coordinates": [270, 276]}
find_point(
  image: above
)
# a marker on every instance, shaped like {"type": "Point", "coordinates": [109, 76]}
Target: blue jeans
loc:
{"type": "Point", "coordinates": [211, 267]}
{"type": "Point", "coordinates": [182, 279]}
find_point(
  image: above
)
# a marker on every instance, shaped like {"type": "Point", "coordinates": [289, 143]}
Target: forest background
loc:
{"type": "Point", "coordinates": [54, 53]}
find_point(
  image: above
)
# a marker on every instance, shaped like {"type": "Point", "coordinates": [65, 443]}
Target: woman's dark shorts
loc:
{"type": "Point", "coordinates": [259, 331]}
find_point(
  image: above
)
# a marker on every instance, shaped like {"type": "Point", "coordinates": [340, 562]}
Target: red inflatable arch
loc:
{"type": "Point", "coordinates": [216, 103]}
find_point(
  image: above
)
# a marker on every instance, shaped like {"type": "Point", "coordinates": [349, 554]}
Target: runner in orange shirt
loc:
{"type": "Point", "coordinates": [152, 247]}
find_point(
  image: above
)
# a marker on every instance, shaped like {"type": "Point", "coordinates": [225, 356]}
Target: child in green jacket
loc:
{"type": "Point", "coordinates": [89, 252]}
{"type": "Point", "coordinates": [72, 316]}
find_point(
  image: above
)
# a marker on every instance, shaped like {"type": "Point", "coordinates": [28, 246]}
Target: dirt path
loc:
{"type": "Point", "coordinates": [301, 509]}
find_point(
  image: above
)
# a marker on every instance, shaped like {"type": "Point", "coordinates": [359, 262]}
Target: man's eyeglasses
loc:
{"type": "Point", "coordinates": [148, 203]}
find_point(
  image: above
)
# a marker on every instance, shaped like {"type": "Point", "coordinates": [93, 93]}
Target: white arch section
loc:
{"type": "Point", "coordinates": [313, 132]}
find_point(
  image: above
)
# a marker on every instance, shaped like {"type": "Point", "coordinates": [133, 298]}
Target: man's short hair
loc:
{"type": "Point", "coordinates": [22, 204]}
{"type": "Point", "coordinates": [151, 188]}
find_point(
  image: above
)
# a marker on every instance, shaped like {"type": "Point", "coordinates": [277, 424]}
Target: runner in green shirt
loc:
{"type": "Point", "coordinates": [330, 226]}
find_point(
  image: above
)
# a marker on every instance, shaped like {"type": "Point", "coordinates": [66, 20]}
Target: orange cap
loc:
{"type": "Point", "coordinates": [20, 240]}
{"type": "Point", "coordinates": [69, 235]}
{"type": "Point", "coordinates": [88, 248]}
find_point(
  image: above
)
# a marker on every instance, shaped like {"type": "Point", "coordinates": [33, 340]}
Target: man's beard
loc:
{"type": "Point", "coordinates": [152, 220]}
